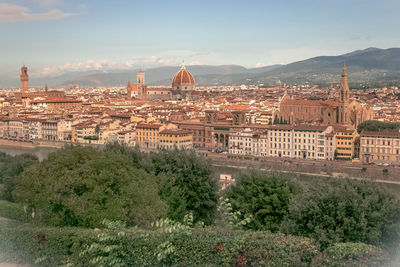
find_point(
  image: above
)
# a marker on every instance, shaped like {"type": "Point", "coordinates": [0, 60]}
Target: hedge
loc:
{"type": "Point", "coordinates": [50, 246]}
{"type": "Point", "coordinates": [26, 243]}
{"type": "Point", "coordinates": [352, 254]}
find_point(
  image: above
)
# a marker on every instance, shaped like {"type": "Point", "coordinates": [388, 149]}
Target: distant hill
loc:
{"type": "Point", "coordinates": [368, 65]}
{"type": "Point", "coordinates": [204, 75]}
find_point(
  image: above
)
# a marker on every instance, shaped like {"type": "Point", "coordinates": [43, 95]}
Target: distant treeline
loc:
{"type": "Point", "coordinates": [378, 126]}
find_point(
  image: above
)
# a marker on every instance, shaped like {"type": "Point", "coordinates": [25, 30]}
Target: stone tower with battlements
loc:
{"type": "Point", "coordinates": [24, 79]}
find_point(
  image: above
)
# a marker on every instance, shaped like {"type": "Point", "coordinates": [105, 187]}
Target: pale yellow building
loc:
{"type": "Point", "coordinates": [180, 139]}
{"type": "Point", "coordinates": [345, 138]}
{"type": "Point", "coordinates": [85, 132]}
{"type": "Point", "coordinates": [265, 118]}
{"type": "Point", "coordinates": [147, 135]}
{"type": "Point", "coordinates": [380, 147]}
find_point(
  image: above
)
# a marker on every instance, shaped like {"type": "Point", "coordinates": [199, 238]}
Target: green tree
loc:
{"type": "Point", "coordinates": [187, 185]}
{"type": "Point", "coordinates": [80, 186]}
{"type": "Point", "coordinates": [97, 129]}
{"type": "Point", "coordinates": [262, 198]}
{"type": "Point", "coordinates": [10, 168]}
{"type": "Point", "coordinates": [345, 211]}
{"type": "Point", "coordinates": [378, 126]}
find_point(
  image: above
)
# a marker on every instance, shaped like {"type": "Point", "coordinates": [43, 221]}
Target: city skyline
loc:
{"type": "Point", "coordinates": [55, 36]}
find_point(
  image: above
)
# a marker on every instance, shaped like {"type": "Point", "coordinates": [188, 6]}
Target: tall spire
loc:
{"type": "Point", "coordinates": [344, 73]}
{"type": "Point", "coordinates": [129, 85]}
{"type": "Point", "coordinates": [344, 98]}
{"type": "Point", "coordinates": [46, 88]}
{"type": "Point", "coordinates": [344, 83]}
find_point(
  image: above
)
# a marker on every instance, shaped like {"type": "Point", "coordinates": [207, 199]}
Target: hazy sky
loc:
{"type": "Point", "coordinates": [55, 36]}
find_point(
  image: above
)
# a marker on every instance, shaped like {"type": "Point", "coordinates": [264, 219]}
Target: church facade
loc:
{"type": "Point", "coordinates": [328, 112]}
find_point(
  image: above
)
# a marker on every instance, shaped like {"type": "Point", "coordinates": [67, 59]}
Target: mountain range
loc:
{"type": "Point", "coordinates": [368, 65]}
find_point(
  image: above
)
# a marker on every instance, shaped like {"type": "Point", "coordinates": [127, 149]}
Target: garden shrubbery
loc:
{"type": "Point", "coordinates": [345, 211]}
{"type": "Point", "coordinates": [14, 211]}
{"type": "Point", "coordinates": [119, 246]}
{"type": "Point", "coordinates": [169, 196]}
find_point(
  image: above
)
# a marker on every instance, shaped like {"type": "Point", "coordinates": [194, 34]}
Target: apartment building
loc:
{"type": "Point", "coordinates": [313, 142]}
{"type": "Point", "coordinates": [127, 137]}
{"type": "Point", "coordinates": [175, 138]}
{"type": "Point", "coordinates": [16, 128]}
{"type": "Point", "coordinates": [34, 128]}
{"type": "Point", "coordinates": [345, 139]}
{"type": "Point", "coordinates": [285, 141]}
{"type": "Point", "coordinates": [280, 141]}
{"type": "Point", "coordinates": [241, 142]}
{"type": "Point", "coordinates": [380, 147]}
{"type": "Point", "coordinates": [85, 132]}
{"type": "Point", "coordinates": [265, 118]}
{"type": "Point", "coordinates": [147, 135]}
{"type": "Point", "coordinates": [49, 130]}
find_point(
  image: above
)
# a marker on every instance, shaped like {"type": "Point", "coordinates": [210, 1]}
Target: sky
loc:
{"type": "Point", "coordinates": [53, 37]}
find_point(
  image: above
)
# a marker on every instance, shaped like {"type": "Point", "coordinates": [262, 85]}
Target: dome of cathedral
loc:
{"type": "Point", "coordinates": [183, 77]}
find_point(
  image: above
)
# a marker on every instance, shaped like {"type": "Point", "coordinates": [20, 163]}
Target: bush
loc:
{"type": "Point", "coordinates": [22, 243]}
{"type": "Point", "coordinates": [80, 186]}
{"type": "Point", "coordinates": [352, 254]}
{"type": "Point", "coordinates": [12, 211]}
{"type": "Point", "coordinates": [262, 199]}
{"type": "Point", "coordinates": [345, 211]}
{"type": "Point", "coordinates": [188, 186]}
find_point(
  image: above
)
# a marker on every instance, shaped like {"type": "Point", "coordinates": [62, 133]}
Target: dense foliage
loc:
{"type": "Point", "coordinates": [133, 247]}
{"type": "Point", "coordinates": [188, 186]}
{"type": "Point", "coordinates": [170, 194]}
{"type": "Point", "coordinates": [14, 211]}
{"type": "Point", "coordinates": [345, 211]}
{"type": "Point", "coordinates": [80, 186]}
{"type": "Point", "coordinates": [10, 168]}
{"type": "Point", "coordinates": [378, 126]}
{"type": "Point", "coordinates": [262, 199]}
{"type": "Point", "coordinates": [185, 180]}
{"type": "Point", "coordinates": [351, 254]}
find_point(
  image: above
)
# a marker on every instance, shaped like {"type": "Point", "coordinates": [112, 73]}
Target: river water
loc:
{"type": "Point", "coordinates": [41, 153]}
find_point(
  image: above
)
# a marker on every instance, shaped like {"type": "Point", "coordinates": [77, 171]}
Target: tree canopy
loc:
{"type": "Point", "coordinates": [378, 126]}
{"type": "Point", "coordinates": [80, 186]}
{"type": "Point", "coordinates": [345, 211]}
{"type": "Point", "coordinates": [262, 198]}
{"type": "Point", "coordinates": [188, 185]}
{"type": "Point", "coordinates": [10, 168]}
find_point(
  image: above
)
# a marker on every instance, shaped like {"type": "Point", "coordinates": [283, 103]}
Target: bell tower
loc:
{"type": "Point", "coordinates": [141, 91]}
{"type": "Point", "coordinates": [129, 90]}
{"type": "Point", "coordinates": [24, 79]}
{"type": "Point", "coordinates": [344, 98]}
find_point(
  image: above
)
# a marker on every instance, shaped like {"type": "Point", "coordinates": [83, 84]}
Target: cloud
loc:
{"type": "Point", "coordinates": [195, 63]}
{"type": "Point", "coordinates": [48, 3]}
{"type": "Point", "coordinates": [14, 13]}
{"type": "Point", "coordinates": [260, 64]}
{"type": "Point", "coordinates": [105, 65]}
